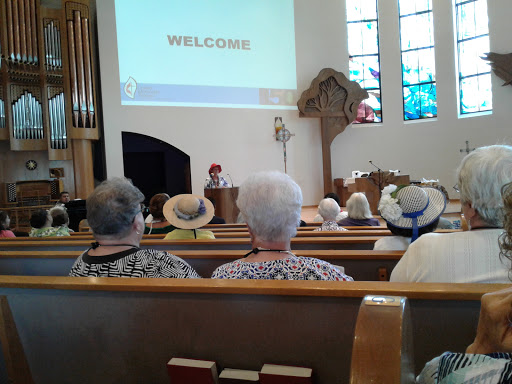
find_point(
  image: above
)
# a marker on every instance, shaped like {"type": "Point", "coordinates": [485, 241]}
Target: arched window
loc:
{"type": "Point", "coordinates": [363, 49]}
{"type": "Point", "coordinates": [418, 59]}
{"type": "Point", "coordinates": [475, 92]}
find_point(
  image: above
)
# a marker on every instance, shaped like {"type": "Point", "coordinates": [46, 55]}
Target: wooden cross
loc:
{"type": "Point", "coordinates": [335, 100]}
{"type": "Point", "coordinates": [467, 150]}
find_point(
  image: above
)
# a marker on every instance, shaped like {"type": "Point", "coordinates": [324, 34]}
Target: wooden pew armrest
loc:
{"type": "Point", "coordinates": [382, 351]}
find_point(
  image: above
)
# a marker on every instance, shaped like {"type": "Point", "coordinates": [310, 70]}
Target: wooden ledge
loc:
{"type": "Point", "coordinates": [68, 241]}
{"type": "Point", "coordinates": [326, 254]}
{"type": "Point", "coordinates": [427, 291]}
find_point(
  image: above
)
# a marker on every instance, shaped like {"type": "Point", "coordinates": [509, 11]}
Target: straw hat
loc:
{"type": "Point", "coordinates": [188, 211]}
{"type": "Point", "coordinates": [411, 207]}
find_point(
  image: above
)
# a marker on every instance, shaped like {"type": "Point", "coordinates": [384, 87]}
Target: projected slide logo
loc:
{"type": "Point", "coordinates": [130, 87]}
{"type": "Point", "coordinates": [227, 53]}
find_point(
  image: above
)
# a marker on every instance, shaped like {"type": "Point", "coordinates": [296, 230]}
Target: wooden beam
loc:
{"type": "Point", "coordinates": [82, 161]}
{"type": "Point", "coordinates": [326, 156]}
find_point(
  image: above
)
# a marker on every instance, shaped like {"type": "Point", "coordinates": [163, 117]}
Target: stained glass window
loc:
{"type": "Point", "coordinates": [475, 93]}
{"type": "Point", "coordinates": [418, 59]}
{"type": "Point", "coordinates": [363, 49]}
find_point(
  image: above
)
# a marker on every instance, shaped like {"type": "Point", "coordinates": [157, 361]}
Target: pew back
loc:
{"type": "Point", "coordinates": [362, 265]}
{"type": "Point", "coordinates": [125, 330]}
{"type": "Point", "coordinates": [74, 244]}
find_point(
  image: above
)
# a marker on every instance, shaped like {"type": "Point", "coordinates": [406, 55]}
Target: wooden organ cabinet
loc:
{"type": "Point", "coordinates": [47, 84]}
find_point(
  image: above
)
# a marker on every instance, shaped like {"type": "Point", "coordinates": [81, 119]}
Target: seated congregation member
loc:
{"type": "Point", "coordinates": [5, 222]}
{"type": "Point", "coordinates": [339, 216]}
{"type": "Point", "coordinates": [188, 213]}
{"type": "Point", "coordinates": [471, 256]}
{"type": "Point", "coordinates": [156, 223]}
{"type": "Point", "coordinates": [60, 218]}
{"type": "Point", "coordinates": [329, 209]}
{"type": "Point", "coordinates": [41, 222]}
{"type": "Point", "coordinates": [215, 219]}
{"type": "Point", "coordinates": [115, 218]}
{"type": "Point", "coordinates": [489, 358]}
{"type": "Point", "coordinates": [444, 223]}
{"type": "Point", "coordinates": [410, 212]}
{"type": "Point", "coordinates": [359, 213]}
{"type": "Point", "coordinates": [270, 203]}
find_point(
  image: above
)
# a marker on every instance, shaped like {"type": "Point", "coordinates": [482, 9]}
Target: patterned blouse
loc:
{"type": "Point", "coordinates": [49, 231]}
{"type": "Point", "coordinates": [133, 262]}
{"type": "Point", "coordinates": [291, 268]}
{"type": "Point", "coordinates": [460, 368]}
{"type": "Point", "coordinates": [330, 226]}
{"type": "Point", "coordinates": [210, 183]}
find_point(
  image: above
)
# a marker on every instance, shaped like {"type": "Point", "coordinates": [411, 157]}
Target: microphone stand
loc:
{"type": "Point", "coordinates": [232, 185]}
{"type": "Point", "coordinates": [380, 177]}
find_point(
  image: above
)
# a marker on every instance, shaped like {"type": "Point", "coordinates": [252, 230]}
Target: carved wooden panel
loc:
{"type": "Point", "coordinates": [501, 65]}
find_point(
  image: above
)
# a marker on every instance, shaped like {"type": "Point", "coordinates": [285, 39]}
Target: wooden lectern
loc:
{"type": "Point", "coordinates": [225, 202]}
{"type": "Point", "coordinates": [369, 186]}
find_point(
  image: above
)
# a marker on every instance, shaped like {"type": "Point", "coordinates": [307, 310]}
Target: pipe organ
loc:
{"type": "Point", "coordinates": [47, 82]}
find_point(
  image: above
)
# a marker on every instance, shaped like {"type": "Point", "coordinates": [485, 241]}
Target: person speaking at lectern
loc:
{"type": "Point", "coordinates": [214, 180]}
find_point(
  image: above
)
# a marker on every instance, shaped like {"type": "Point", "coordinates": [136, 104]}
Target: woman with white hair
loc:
{"type": "Point", "coordinates": [359, 213]}
{"type": "Point", "coordinates": [270, 203]}
{"type": "Point", "coordinates": [340, 214]}
{"type": "Point", "coordinates": [329, 209]}
{"type": "Point", "coordinates": [489, 358]}
{"type": "Point", "coordinates": [114, 213]}
{"type": "Point", "coordinates": [472, 256]}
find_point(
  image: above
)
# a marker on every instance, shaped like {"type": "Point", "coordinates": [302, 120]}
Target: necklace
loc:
{"type": "Point", "coordinates": [259, 249]}
{"type": "Point", "coordinates": [96, 245]}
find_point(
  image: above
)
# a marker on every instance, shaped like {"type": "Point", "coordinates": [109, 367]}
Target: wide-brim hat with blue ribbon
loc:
{"type": "Point", "coordinates": [188, 211]}
{"type": "Point", "coordinates": [411, 207]}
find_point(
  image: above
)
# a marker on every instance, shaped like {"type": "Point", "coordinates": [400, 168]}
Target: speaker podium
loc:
{"type": "Point", "coordinates": [225, 202]}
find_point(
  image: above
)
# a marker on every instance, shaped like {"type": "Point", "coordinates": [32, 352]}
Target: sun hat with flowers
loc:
{"type": "Point", "coordinates": [188, 211]}
{"type": "Point", "coordinates": [411, 207]}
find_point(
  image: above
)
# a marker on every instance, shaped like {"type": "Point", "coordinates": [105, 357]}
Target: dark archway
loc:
{"type": "Point", "coordinates": [155, 166]}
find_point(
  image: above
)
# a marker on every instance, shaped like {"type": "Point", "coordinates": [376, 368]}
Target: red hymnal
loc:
{"type": "Point", "coordinates": [192, 371]}
{"type": "Point", "coordinates": [283, 374]}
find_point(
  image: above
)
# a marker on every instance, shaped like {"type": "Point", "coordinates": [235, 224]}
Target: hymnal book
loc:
{"type": "Point", "coordinates": [192, 371]}
{"type": "Point", "coordinates": [238, 376]}
{"type": "Point", "coordinates": [284, 374]}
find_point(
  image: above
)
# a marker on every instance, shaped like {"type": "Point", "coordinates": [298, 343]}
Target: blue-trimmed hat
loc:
{"type": "Point", "coordinates": [411, 207]}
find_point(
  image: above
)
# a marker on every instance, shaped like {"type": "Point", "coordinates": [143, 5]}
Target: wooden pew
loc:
{"type": "Point", "coordinates": [82, 329]}
{"type": "Point", "coordinates": [362, 265]}
{"type": "Point", "coordinates": [242, 232]}
{"type": "Point", "coordinates": [70, 243]}
{"type": "Point", "coordinates": [245, 234]}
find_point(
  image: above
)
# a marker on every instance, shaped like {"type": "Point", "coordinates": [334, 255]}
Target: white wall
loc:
{"type": "Point", "coordinates": [241, 139]}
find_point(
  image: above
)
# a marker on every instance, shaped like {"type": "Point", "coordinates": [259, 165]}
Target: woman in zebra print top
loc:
{"type": "Point", "coordinates": [115, 216]}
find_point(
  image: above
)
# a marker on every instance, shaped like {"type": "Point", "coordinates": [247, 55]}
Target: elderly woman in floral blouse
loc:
{"type": "Point", "coordinates": [270, 203]}
{"type": "Point", "coordinates": [329, 209]}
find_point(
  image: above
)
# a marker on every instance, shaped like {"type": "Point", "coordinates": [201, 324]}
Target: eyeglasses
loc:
{"type": "Point", "coordinates": [142, 208]}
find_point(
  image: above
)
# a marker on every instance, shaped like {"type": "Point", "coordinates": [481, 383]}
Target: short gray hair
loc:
{"type": "Point", "coordinates": [112, 207]}
{"type": "Point", "coordinates": [270, 203]}
{"type": "Point", "coordinates": [358, 207]}
{"type": "Point", "coordinates": [481, 175]}
{"type": "Point", "coordinates": [328, 209]}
